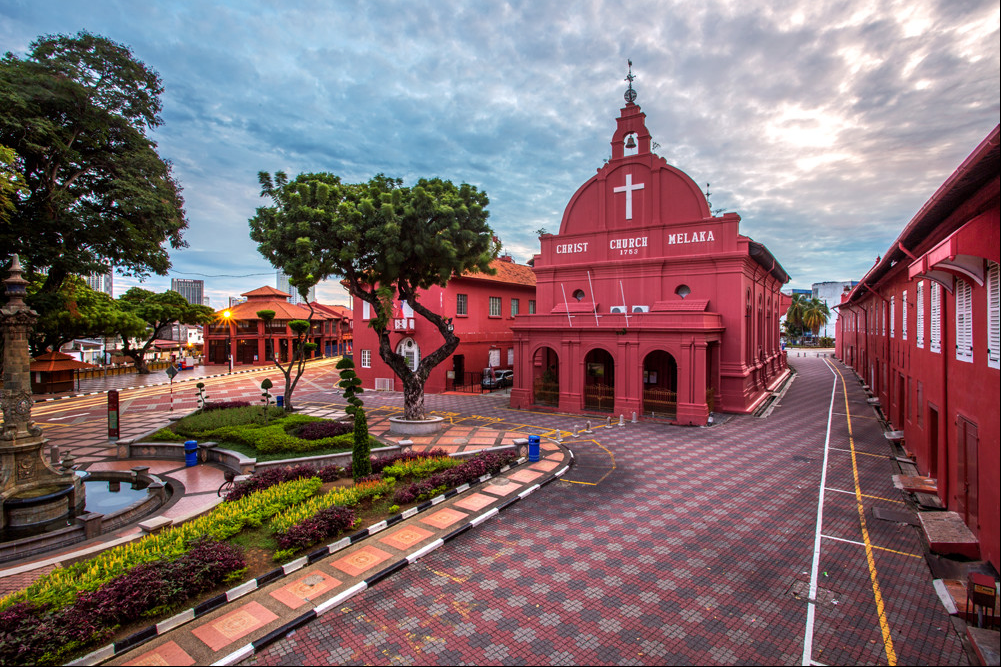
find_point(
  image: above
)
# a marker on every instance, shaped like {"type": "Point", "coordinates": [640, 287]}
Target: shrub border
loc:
{"type": "Point", "coordinates": [213, 603]}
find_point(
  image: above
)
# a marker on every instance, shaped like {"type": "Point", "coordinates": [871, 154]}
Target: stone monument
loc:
{"type": "Point", "coordinates": [32, 492]}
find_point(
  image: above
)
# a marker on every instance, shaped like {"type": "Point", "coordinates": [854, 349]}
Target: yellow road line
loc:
{"type": "Point", "coordinates": [891, 655]}
{"type": "Point", "coordinates": [573, 481]}
{"type": "Point", "coordinates": [852, 493]}
{"type": "Point", "coordinates": [892, 551]}
{"type": "Point", "coordinates": [878, 456]}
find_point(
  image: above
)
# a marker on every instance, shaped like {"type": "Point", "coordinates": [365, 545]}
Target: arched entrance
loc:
{"type": "Point", "coordinates": [599, 381]}
{"type": "Point", "coordinates": [660, 385]}
{"type": "Point", "coordinates": [546, 377]}
{"type": "Point", "coordinates": [410, 351]}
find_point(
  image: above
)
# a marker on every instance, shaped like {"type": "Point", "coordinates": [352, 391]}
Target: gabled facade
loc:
{"type": "Point", "coordinates": [648, 303]}
{"type": "Point", "coordinates": [922, 329]}
{"type": "Point", "coordinates": [482, 308]}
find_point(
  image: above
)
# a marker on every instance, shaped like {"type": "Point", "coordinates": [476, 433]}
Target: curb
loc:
{"type": "Point", "coordinates": [143, 386]}
{"type": "Point", "coordinates": [137, 638]}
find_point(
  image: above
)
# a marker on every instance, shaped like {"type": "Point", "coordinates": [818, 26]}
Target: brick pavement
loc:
{"type": "Point", "coordinates": [687, 546]}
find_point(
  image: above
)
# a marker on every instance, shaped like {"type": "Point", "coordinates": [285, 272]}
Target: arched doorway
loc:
{"type": "Point", "coordinates": [660, 385]}
{"type": "Point", "coordinates": [410, 351]}
{"type": "Point", "coordinates": [546, 377]}
{"type": "Point", "coordinates": [599, 381]}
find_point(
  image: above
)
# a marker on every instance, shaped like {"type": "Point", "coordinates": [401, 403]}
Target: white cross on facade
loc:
{"type": "Point", "coordinates": [628, 189]}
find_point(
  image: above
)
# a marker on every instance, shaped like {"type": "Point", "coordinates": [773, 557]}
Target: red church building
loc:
{"type": "Point", "coordinates": [923, 330]}
{"type": "Point", "coordinates": [646, 301]}
{"type": "Point", "coordinates": [482, 308]}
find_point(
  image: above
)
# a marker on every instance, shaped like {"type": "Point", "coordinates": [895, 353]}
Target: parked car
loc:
{"type": "Point", "coordinates": [496, 379]}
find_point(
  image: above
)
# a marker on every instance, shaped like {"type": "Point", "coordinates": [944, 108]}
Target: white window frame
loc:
{"type": "Point", "coordinates": [993, 314]}
{"type": "Point", "coordinates": [510, 356]}
{"type": "Point", "coordinates": [495, 306]}
{"type": "Point", "coordinates": [366, 310]}
{"type": "Point", "coordinates": [515, 307]}
{"type": "Point", "coordinates": [462, 304]}
{"type": "Point", "coordinates": [366, 358]}
{"type": "Point", "coordinates": [919, 325]}
{"type": "Point", "coordinates": [531, 306]}
{"type": "Point", "coordinates": [964, 323]}
{"type": "Point", "coordinates": [903, 316]}
{"type": "Point", "coordinates": [935, 326]}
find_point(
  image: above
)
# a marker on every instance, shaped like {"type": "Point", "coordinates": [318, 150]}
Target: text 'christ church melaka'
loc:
{"type": "Point", "coordinates": [646, 302]}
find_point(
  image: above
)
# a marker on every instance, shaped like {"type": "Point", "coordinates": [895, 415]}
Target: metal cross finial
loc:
{"type": "Point", "coordinates": [630, 94]}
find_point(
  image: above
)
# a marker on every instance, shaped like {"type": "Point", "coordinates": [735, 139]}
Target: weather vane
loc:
{"type": "Point", "coordinates": [630, 94]}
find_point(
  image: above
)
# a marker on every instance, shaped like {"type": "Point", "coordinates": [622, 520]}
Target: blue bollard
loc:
{"type": "Point", "coordinates": [280, 401]}
{"type": "Point", "coordinates": [533, 448]}
{"type": "Point", "coordinates": [191, 453]}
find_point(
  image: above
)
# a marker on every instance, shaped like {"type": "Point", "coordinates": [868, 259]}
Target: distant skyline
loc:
{"type": "Point", "coordinates": [825, 125]}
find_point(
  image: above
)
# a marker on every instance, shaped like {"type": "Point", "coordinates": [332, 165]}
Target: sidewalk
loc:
{"type": "Point", "coordinates": [242, 621]}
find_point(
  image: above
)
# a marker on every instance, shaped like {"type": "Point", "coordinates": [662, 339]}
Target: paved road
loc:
{"type": "Point", "coordinates": [671, 545]}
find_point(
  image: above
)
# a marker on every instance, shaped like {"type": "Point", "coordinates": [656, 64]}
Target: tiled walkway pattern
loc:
{"type": "Point", "coordinates": [691, 551]}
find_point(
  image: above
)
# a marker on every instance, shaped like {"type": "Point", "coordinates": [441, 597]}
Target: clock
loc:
{"type": "Point", "coordinates": [630, 95]}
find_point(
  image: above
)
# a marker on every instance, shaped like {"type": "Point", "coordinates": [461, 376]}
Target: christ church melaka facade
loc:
{"type": "Point", "coordinates": [648, 303]}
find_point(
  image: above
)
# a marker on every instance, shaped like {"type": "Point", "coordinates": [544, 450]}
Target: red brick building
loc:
{"type": "Point", "coordinates": [922, 330]}
{"type": "Point", "coordinates": [647, 302]}
{"type": "Point", "coordinates": [245, 336]}
{"type": "Point", "coordinates": [482, 308]}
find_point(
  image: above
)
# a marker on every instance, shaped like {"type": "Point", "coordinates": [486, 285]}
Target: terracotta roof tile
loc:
{"type": "Point", "coordinates": [267, 290]}
{"type": "Point", "coordinates": [507, 272]}
{"type": "Point", "coordinates": [56, 361]}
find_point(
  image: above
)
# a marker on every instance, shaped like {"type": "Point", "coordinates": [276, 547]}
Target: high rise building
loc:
{"type": "Point", "coordinates": [233, 300]}
{"type": "Point", "coordinates": [192, 290]}
{"type": "Point", "coordinates": [102, 282]}
{"type": "Point", "coordinates": [283, 284]}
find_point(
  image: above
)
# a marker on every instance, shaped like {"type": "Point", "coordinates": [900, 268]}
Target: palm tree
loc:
{"type": "Point", "coordinates": [815, 315]}
{"type": "Point", "coordinates": [794, 316]}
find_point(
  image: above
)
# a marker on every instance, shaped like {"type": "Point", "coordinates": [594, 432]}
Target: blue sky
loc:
{"type": "Point", "coordinates": [825, 125]}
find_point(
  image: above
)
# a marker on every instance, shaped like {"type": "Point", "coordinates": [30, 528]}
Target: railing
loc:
{"type": "Point", "coordinates": [546, 393]}
{"type": "Point", "coordinates": [116, 369]}
{"type": "Point", "coordinates": [599, 397]}
{"type": "Point", "coordinates": [660, 402]}
{"type": "Point", "coordinates": [469, 383]}
{"type": "Point", "coordinates": [403, 324]}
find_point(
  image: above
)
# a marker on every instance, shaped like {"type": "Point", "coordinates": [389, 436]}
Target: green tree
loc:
{"type": "Point", "coordinates": [157, 312]}
{"type": "Point", "coordinates": [300, 348]}
{"type": "Point", "coordinates": [385, 241]}
{"type": "Point", "coordinates": [77, 311]}
{"type": "Point", "coordinates": [361, 452]}
{"type": "Point", "coordinates": [815, 315]}
{"type": "Point", "coordinates": [76, 111]}
{"type": "Point", "coordinates": [794, 315]}
{"type": "Point", "coordinates": [11, 183]}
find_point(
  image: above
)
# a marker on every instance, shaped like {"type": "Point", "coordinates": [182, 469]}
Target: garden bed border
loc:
{"type": "Point", "coordinates": [140, 637]}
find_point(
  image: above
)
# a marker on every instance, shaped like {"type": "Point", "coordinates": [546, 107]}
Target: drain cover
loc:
{"type": "Point", "coordinates": [312, 580]}
{"type": "Point", "coordinates": [895, 515]}
{"type": "Point", "coordinates": [801, 591]}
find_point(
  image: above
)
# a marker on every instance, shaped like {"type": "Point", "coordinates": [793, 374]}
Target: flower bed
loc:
{"type": "Point", "coordinates": [467, 473]}
{"type": "Point", "coordinates": [43, 634]}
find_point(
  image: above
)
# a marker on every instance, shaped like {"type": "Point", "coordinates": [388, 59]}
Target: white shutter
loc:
{"type": "Point", "coordinates": [919, 332]}
{"type": "Point", "coordinates": [366, 310]}
{"type": "Point", "coordinates": [903, 316]}
{"type": "Point", "coordinates": [994, 315]}
{"type": "Point", "coordinates": [964, 328]}
{"type": "Point", "coordinates": [893, 308]}
{"type": "Point", "coordinates": [935, 329]}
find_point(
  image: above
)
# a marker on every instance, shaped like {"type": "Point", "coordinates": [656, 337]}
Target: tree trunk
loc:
{"type": "Point", "coordinates": [413, 398]}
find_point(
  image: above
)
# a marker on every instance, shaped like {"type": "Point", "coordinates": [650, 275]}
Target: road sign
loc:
{"type": "Point", "coordinates": [171, 371]}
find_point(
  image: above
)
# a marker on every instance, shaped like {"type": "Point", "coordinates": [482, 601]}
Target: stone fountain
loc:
{"type": "Point", "coordinates": [32, 492]}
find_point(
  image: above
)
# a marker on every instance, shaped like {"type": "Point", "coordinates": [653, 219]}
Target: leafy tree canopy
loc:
{"type": "Point", "coordinates": [77, 311]}
{"type": "Point", "coordinates": [383, 239]}
{"type": "Point", "coordinates": [76, 111]}
{"type": "Point", "coordinates": [11, 183]}
{"type": "Point", "coordinates": [157, 312]}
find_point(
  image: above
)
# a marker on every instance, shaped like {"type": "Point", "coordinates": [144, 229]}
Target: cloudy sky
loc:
{"type": "Point", "coordinates": [825, 125]}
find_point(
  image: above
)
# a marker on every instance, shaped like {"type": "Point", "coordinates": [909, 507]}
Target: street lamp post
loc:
{"type": "Point", "coordinates": [227, 316]}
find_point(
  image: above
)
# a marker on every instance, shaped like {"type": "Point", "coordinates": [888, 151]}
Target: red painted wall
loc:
{"type": "Point", "coordinates": [954, 237]}
{"type": "Point", "coordinates": [477, 331]}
